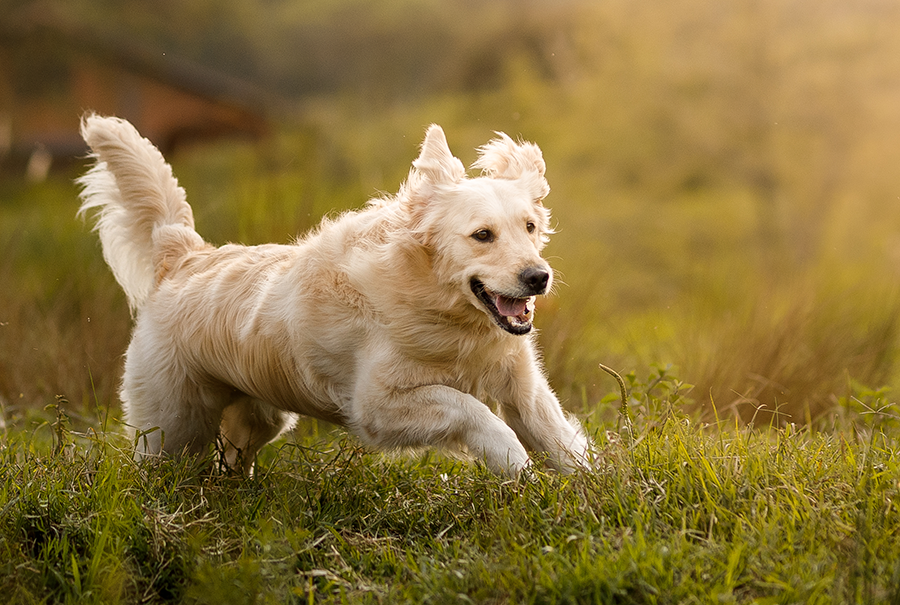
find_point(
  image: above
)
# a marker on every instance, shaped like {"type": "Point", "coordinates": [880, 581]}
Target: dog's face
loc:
{"type": "Point", "coordinates": [485, 234]}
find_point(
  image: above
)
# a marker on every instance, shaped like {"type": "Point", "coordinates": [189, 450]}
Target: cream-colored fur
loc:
{"type": "Point", "coordinates": [400, 321]}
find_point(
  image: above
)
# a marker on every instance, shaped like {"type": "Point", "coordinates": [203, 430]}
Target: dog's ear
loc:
{"type": "Point", "coordinates": [503, 158]}
{"type": "Point", "coordinates": [436, 163]}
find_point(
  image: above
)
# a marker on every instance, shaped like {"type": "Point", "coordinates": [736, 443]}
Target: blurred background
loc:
{"type": "Point", "coordinates": [725, 174]}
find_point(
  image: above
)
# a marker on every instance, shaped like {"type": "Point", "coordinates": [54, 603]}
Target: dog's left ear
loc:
{"type": "Point", "coordinates": [436, 163]}
{"type": "Point", "coordinates": [503, 158]}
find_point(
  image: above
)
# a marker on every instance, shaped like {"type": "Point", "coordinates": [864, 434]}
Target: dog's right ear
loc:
{"type": "Point", "coordinates": [434, 168]}
{"type": "Point", "coordinates": [436, 164]}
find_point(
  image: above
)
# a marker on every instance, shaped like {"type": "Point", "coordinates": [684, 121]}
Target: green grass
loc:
{"type": "Point", "coordinates": [684, 513]}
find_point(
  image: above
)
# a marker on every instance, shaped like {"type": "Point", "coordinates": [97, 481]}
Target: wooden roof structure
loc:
{"type": "Point", "coordinates": [53, 71]}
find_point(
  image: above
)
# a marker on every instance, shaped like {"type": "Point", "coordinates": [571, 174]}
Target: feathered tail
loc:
{"type": "Point", "coordinates": [143, 218]}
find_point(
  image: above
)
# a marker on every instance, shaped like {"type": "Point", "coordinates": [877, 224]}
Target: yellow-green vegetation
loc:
{"type": "Point", "coordinates": [683, 513]}
{"type": "Point", "coordinates": [725, 187]}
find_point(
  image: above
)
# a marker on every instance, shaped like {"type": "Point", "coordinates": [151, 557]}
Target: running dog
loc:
{"type": "Point", "coordinates": [404, 321]}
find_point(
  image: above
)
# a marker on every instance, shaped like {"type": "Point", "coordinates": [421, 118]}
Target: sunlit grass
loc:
{"type": "Point", "coordinates": [680, 513]}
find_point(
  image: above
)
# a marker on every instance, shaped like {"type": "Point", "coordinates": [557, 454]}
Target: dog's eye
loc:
{"type": "Point", "coordinates": [530, 226]}
{"type": "Point", "coordinates": [484, 235]}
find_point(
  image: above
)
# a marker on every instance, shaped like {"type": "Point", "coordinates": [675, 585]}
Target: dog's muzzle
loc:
{"type": "Point", "coordinates": [513, 312]}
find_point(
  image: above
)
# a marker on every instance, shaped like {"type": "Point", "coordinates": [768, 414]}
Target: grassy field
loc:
{"type": "Point", "coordinates": [682, 513]}
{"type": "Point", "coordinates": [691, 508]}
{"type": "Point", "coordinates": [727, 207]}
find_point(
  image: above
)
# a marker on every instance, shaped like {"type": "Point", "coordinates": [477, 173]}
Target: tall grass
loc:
{"type": "Point", "coordinates": [679, 514]}
{"type": "Point", "coordinates": [62, 320]}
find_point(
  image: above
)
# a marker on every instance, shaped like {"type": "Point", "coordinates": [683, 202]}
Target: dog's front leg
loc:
{"type": "Point", "coordinates": [543, 426]}
{"type": "Point", "coordinates": [439, 416]}
{"type": "Point", "coordinates": [531, 408]}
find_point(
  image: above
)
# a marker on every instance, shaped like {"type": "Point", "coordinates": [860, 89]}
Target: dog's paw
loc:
{"type": "Point", "coordinates": [506, 457]}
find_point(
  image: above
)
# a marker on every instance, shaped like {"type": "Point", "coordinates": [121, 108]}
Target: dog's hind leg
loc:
{"type": "Point", "coordinates": [247, 425]}
{"type": "Point", "coordinates": [168, 410]}
{"type": "Point", "coordinates": [171, 422]}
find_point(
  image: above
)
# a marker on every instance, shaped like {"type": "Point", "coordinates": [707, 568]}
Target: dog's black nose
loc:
{"type": "Point", "coordinates": [534, 279]}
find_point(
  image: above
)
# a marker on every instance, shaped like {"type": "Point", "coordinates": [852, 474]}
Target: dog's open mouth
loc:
{"type": "Point", "coordinates": [512, 314]}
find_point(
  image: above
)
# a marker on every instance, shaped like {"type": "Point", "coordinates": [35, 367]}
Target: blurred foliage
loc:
{"type": "Point", "coordinates": [724, 175]}
{"type": "Point", "coordinates": [385, 49]}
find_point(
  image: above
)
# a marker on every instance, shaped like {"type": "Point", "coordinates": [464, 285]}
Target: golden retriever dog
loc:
{"type": "Point", "coordinates": [404, 321]}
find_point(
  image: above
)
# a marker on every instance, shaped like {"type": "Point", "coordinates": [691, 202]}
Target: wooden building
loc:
{"type": "Point", "coordinates": [52, 72]}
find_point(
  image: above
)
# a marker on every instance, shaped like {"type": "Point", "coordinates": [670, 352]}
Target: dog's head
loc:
{"type": "Point", "coordinates": [485, 234]}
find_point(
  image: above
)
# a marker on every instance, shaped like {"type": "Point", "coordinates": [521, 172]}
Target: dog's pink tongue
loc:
{"type": "Point", "coordinates": [511, 307]}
